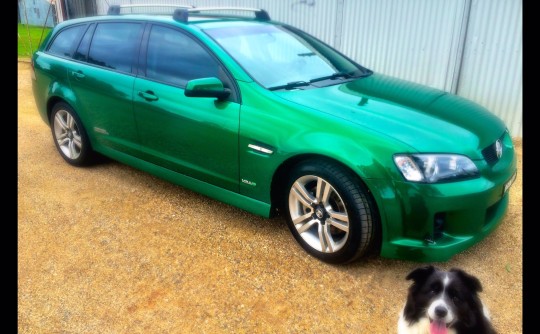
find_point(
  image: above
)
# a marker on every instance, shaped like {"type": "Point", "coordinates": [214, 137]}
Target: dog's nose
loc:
{"type": "Point", "coordinates": [441, 311]}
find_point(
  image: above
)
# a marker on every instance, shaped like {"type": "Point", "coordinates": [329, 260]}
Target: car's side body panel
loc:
{"type": "Point", "coordinates": [205, 188]}
{"type": "Point", "coordinates": [104, 103]}
{"type": "Point", "coordinates": [51, 82]}
{"type": "Point", "coordinates": [197, 137]}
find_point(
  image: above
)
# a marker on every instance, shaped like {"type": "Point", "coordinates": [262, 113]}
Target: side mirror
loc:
{"type": "Point", "coordinates": [206, 87]}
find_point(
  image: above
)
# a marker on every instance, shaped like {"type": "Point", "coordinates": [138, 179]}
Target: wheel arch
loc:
{"type": "Point", "coordinates": [279, 180]}
{"type": "Point", "coordinates": [86, 155]}
{"type": "Point", "coordinates": [278, 188]}
{"type": "Point", "coordinates": [59, 91]}
{"type": "Point", "coordinates": [55, 99]}
{"type": "Point", "coordinates": [52, 102]}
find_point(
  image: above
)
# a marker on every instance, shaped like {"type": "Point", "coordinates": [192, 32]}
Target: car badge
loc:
{"type": "Point", "coordinates": [498, 148]}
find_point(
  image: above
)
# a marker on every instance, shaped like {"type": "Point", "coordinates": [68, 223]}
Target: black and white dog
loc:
{"type": "Point", "coordinates": [443, 302]}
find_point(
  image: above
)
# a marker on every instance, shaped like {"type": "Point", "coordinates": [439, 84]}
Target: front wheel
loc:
{"type": "Point", "coordinates": [330, 211]}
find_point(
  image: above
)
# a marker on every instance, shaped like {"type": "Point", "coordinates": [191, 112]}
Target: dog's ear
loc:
{"type": "Point", "coordinates": [420, 274]}
{"type": "Point", "coordinates": [470, 281]}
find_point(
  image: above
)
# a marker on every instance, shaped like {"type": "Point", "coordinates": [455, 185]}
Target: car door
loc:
{"type": "Point", "coordinates": [194, 136]}
{"type": "Point", "coordinates": [102, 77]}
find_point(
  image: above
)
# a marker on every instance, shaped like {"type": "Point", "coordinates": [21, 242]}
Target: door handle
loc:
{"type": "Point", "coordinates": [148, 95]}
{"type": "Point", "coordinates": [78, 74]}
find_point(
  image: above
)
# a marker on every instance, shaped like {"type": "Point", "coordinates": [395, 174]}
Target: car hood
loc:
{"type": "Point", "coordinates": [427, 119]}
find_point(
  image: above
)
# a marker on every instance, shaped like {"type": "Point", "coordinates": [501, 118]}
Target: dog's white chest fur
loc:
{"type": "Point", "coordinates": [420, 327]}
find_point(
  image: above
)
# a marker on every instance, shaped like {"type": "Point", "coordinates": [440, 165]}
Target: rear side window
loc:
{"type": "Point", "coordinates": [82, 50]}
{"type": "Point", "coordinates": [115, 45]}
{"type": "Point", "coordinates": [66, 41]}
{"type": "Point", "coordinates": [175, 58]}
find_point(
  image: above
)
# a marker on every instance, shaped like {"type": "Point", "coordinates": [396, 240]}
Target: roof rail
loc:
{"type": "Point", "coordinates": [115, 9]}
{"type": "Point", "coordinates": [182, 14]}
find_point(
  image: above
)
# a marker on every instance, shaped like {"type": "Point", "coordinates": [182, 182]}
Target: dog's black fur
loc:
{"type": "Point", "coordinates": [454, 300]}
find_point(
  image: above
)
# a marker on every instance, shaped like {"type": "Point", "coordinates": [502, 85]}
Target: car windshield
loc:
{"type": "Point", "coordinates": [278, 57]}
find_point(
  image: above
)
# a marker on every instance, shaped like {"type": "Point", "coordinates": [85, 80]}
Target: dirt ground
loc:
{"type": "Point", "coordinates": [110, 249]}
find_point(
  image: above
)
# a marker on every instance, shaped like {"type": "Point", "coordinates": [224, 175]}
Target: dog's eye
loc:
{"type": "Point", "coordinates": [435, 288]}
{"type": "Point", "coordinates": [456, 299]}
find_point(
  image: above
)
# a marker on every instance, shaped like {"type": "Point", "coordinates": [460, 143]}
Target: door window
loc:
{"type": "Point", "coordinates": [175, 58]}
{"type": "Point", "coordinates": [115, 45]}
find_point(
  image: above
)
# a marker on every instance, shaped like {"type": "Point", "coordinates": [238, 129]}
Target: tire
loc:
{"type": "Point", "coordinates": [70, 136]}
{"type": "Point", "coordinates": [330, 211]}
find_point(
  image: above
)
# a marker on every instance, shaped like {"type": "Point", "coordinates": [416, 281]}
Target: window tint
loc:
{"type": "Point", "coordinates": [82, 50]}
{"type": "Point", "coordinates": [66, 41]}
{"type": "Point", "coordinates": [175, 58]}
{"type": "Point", "coordinates": [115, 45]}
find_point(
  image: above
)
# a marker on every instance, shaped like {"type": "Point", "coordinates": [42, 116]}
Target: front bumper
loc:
{"type": "Point", "coordinates": [429, 249]}
{"type": "Point", "coordinates": [433, 222]}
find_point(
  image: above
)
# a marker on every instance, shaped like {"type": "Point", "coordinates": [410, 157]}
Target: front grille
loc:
{"type": "Point", "coordinates": [490, 153]}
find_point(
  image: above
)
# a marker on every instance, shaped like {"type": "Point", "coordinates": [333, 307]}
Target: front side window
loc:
{"type": "Point", "coordinates": [115, 45]}
{"type": "Point", "coordinates": [175, 58]}
{"type": "Point", "coordinates": [66, 41]}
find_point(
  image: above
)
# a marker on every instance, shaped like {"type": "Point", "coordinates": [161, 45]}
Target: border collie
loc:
{"type": "Point", "coordinates": [443, 302]}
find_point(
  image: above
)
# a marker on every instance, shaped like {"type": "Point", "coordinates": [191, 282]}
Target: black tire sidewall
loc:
{"type": "Point", "coordinates": [86, 150]}
{"type": "Point", "coordinates": [345, 183]}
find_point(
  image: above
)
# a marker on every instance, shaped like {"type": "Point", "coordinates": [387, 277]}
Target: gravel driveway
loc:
{"type": "Point", "coordinates": [110, 249]}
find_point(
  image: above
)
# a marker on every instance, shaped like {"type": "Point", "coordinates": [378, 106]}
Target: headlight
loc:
{"type": "Point", "coordinates": [432, 168]}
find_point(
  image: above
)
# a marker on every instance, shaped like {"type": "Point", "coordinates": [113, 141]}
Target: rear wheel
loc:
{"type": "Point", "coordinates": [330, 211]}
{"type": "Point", "coordinates": [70, 136]}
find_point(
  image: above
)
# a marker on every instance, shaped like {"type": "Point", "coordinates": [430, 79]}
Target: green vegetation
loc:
{"type": "Point", "coordinates": [35, 35]}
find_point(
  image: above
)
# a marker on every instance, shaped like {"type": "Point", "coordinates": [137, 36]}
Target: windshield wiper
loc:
{"type": "Point", "coordinates": [306, 54]}
{"type": "Point", "coordinates": [334, 76]}
{"type": "Point", "coordinates": [290, 85]}
{"type": "Point", "coordinates": [346, 75]}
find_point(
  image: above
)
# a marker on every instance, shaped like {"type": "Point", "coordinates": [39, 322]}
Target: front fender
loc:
{"type": "Point", "coordinates": [282, 132]}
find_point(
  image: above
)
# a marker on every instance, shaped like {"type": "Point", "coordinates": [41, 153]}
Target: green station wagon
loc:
{"type": "Point", "coordinates": [265, 117]}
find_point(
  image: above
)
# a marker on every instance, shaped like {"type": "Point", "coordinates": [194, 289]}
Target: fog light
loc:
{"type": "Point", "coordinates": [438, 225]}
